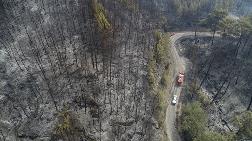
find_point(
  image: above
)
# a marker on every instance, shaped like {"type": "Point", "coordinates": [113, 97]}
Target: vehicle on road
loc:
{"type": "Point", "coordinates": [174, 100]}
{"type": "Point", "coordinates": [172, 33]}
{"type": "Point", "coordinates": [180, 78]}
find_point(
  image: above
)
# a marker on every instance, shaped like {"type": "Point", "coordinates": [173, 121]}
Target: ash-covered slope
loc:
{"type": "Point", "coordinates": [65, 75]}
{"type": "Point", "coordinates": [242, 7]}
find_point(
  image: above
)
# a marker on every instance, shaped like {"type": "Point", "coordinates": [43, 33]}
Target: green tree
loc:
{"type": "Point", "coordinates": [228, 24]}
{"type": "Point", "coordinates": [161, 47]}
{"type": "Point", "coordinates": [100, 15]}
{"type": "Point", "coordinates": [213, 20]}
{"type": "Point", "coordinates": [213, 136]}
{"type": "Point", "coordinates": [194, 121]}
{"type": "Point", "coordinates": [151, 67]}
{"type": "Point", "coordinates": [246, 26]}
{"type": "Point", "coordinates": [245, 126]}
{"type": "Point", "coordinates": [241, 27]}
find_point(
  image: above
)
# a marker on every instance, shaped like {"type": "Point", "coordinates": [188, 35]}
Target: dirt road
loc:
{"type": "Point", "coordinates": [180, 66]}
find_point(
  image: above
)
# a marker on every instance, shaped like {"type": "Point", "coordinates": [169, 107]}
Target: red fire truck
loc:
{"type": "Point", "coordinates": [180, 78]}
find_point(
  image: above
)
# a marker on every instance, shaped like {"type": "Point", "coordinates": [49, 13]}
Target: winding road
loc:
{"type": "Point", "coordinates": [180, 64]}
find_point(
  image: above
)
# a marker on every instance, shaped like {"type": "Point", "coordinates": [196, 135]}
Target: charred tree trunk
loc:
{"type": "Point", "coordinates": [213, 36]}
{"type": "Point", "coordinates": [207, 73]}
{"type": "Point", "coordinates": [250, 103]}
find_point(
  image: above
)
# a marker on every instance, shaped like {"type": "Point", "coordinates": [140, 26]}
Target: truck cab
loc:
{"type": "Point", "coordinates": [180, 78]}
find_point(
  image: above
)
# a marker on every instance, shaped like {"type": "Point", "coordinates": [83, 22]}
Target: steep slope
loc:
{"type": "Point", "coordinates": [66, 76]}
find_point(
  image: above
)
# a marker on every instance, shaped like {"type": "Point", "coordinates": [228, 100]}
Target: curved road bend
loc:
{"type": "Point", "coordinates": [170, 120]}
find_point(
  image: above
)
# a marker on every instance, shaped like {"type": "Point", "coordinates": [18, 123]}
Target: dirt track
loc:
{"type": "Point", "coordinates": [180, 66]}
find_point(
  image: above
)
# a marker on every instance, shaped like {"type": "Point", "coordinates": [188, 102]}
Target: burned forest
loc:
{"type": "Point", "coordinates": [125, 70]}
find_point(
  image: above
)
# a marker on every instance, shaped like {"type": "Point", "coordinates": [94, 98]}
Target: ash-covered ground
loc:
{"type": "Point", "coordinates": [62, 78]}
{"type": "Point", "coordinates": [224, 71]}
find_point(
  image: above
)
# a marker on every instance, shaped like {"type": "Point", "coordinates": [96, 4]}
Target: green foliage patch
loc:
{"type": "Point", "coordinates": [69, 128]}
{"type": "Point", "coordinates": [194, 125]}
{"type": "Point", "coordinates": [166, 78]}
{"type": "Point", "coordinates": [151, 68]}
{"type": "Point", "coordinates": [244, 123]}
{"type": "Point", "coordinates": [157, 60]}
{"type": "Point", "coordinates": [236, 27]}
{"type": "Point", "coordinates": [162, 94]}
{"type": "Point", "coordinates": [65, 123]}
{"type": "Point", "coordinates": [199, 95]}
{"type": "Point", "coordinates": [161, 106]}
{"type": "Point", "coordinates": [213, 136]}
{"type": "Point", "coordinates": [161, 48]}
{"type": "Point", "coordinates": [160, 56]}
{"type": "Point", "coordinates": [100, 15]}
{"type": "Point", "coordinates": [228, 25]}
{"type": "Point", "coordinates": [194, 120]}
{"type": "Point", "coordinates": [213, 20]}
